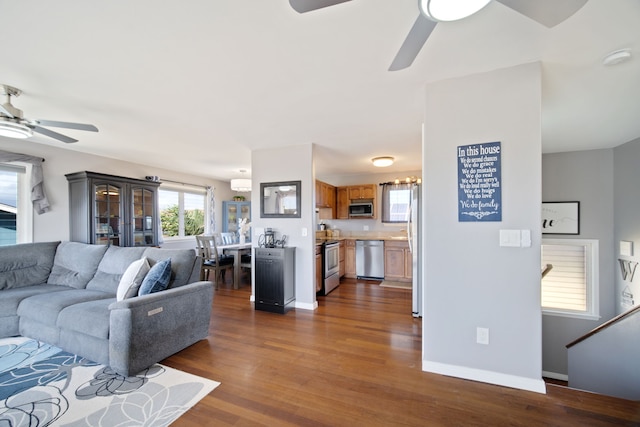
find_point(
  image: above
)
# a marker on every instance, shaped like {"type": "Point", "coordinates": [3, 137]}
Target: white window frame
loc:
{"type": "Point", "coordinates": [24, 215]}
{"type": "Point", "coordinates": [181, 190]}
{"type": "Point", "coordinates": [592, 284]}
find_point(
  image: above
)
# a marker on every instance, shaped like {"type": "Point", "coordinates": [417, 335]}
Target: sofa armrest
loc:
{"type": "Point", "coordinates": [148, 328]}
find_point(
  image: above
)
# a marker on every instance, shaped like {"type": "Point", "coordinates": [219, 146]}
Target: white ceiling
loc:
{"type": "Point", "coordinates": [195, 86]}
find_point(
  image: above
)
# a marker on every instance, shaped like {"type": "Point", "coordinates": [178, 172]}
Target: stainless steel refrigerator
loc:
{"type": "Point", "coordinates": [415, 245]}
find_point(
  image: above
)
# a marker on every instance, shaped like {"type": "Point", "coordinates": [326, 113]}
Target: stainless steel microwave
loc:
{"type": "Point", "coordinates": [361, 209]}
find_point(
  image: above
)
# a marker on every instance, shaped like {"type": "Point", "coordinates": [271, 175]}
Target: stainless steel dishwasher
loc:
{"type": "Point", "coordinates": [370, 259]}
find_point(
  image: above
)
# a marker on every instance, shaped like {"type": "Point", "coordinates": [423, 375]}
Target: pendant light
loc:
{"type": "Point", "coordinates": [241, 184]}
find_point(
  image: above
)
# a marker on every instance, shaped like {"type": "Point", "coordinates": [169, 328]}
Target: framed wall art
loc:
{"type": "Point", "coordinates": [560, 217]}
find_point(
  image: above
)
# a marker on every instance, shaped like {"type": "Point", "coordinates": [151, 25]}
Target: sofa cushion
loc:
{"type": "Point", "coordinates": [75, 264]}
{"type": "Point", "coordinates": [182, 263]}
{"type": "Point", "coordinates": [45, 308]}
{"type": "Point", "coordinates": [112, 266]}
{"type": "Point", "coordinates": [157, 279]}
{"type": "Point", "coordinates": [11, 298]}
{"type": "Point", "coordinates": [26, 264]}
{"type": "Point", "coordinates": [90, 318]}
{"type": "Point", "coordinates": [132, 279]}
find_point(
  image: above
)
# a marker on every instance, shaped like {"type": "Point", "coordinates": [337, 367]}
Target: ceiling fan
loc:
{"type": "Point", "coordinates": [547, 12]}
{"type": "Point", "coordinates": [14, 125]}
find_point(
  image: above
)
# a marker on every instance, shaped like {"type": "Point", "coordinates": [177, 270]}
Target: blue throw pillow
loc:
{"type": "Point", "coordinates": [157, 279]}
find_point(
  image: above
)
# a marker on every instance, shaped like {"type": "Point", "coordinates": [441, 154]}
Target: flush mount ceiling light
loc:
{"type": "Point", "coordinates": [382, 162]}
{"type": "Point", "coordinates": [450, 10]}
{"type": "Point", "coordinates": [14, 130]}
{"type": "Point", "coordinates": [616, 57]}
{"type": "Point", "coordinates": [241, 184]}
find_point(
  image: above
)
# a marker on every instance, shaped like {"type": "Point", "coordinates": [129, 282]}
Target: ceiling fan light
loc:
{"type": "Point", "coordinates": [382, 162]}
{"type": "Point", "coordinates": [241, 184]}
{"type": "Point", "coordinates": [14, 130]}
{"type": "Point", "coordinates": [450, 10]}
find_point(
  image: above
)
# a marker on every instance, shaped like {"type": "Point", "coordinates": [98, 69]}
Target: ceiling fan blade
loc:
{"type": "Point", "coordinates": [547, 12]}
{"type": "Point", "coordinates": [411, 46]}
{"type": "Point", "coordinates": [52, 134]}
{"type": "Point", "coordinates": [302, 6]}
{"type": "Point", "coordinates": [5, 112]}
{"type": "Point", "coordinates": [66, 125]}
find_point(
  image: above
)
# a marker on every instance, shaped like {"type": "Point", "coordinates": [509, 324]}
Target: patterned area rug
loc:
{"type": "Point", "coordinates": [41, 385]}
{"type": "Point", "coordinates": [392, 284]}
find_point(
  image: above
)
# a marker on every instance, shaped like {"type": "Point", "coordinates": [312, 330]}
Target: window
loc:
{"type": "Point", "coordinates": [16, 212]}
{"type": "Point", "coordinates": [570, 288]}
{"type": "Point", "coordinates": [182, 212]}
{"type": "Point", "coordinates": [396, 200]}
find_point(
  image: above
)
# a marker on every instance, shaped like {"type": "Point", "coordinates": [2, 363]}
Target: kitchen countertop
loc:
{"type": "Point", "coordinates": [321, 237]}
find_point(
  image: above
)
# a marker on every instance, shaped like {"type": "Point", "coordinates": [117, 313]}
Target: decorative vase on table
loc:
{"type": "Point", "coordinates": [242, 239]}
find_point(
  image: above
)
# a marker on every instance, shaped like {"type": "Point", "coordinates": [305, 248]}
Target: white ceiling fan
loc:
{"type": "Point", "coordinates": [14, 125]}
{"type": "Point", "coordinates": [547, 12]}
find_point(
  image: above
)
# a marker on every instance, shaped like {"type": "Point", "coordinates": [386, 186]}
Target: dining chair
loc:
{"type": "Point", "coordinates": [212, 260]}
{"type": "Point", "coordinates": [228, 238]}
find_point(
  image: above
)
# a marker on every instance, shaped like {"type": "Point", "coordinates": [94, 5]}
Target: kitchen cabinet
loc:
{"type": "Point", "coordinates": [319, 271]}
{"type": "Point", "coordinates": [342, 199]}
{"type": "Point", "coordinates": [274, 279]}
{"type": "Point", "coordinates": [366, 191]}
{"type": "Point", "coordinates": [112, 210]}
{"type": "Point", "coordinates": [341, 258]}
{"type": "Point", "coordinates": [397, 261]}
{"type": "Point", "coordinates": [354, 193]}
{"type": "Point", "coordinates": [350, 259]}
{"type": "Point", "coordinates": [326, 199]}
{"type": "Point", "coordinates": [232, 212]}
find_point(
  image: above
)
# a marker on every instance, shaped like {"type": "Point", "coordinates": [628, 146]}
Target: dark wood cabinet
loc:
{"type": "Point", "coordinates": [112, 210]}
{"type": "Point", "coordinates": [274, 278]}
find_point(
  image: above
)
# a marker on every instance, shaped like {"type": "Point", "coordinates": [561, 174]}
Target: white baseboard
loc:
{"type": "Point", "coordinates": [306, 306]}
{"type": "Point", "coordinates": [497, 378]}
{"type": "Point", "coordinates": [555, 376]}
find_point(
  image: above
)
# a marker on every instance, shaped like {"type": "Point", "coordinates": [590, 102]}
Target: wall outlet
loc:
{"type": "Point", "coordinates": [482, 336]}
{"type": "Point", "coordinates": [365, 227]}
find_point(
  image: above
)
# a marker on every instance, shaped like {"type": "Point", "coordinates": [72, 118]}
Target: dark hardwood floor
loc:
{"type": "Point", "coordinates": [356, 362]}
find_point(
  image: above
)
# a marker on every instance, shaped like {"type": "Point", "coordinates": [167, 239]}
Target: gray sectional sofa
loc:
{"type": "Point", "coordinates": [64, 294]}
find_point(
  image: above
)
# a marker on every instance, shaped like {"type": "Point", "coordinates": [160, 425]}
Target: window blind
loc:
{"type": "Point", "coordinates": [565, 286]}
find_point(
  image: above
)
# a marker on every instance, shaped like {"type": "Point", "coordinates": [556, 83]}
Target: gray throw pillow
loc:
{"type": "Point", "coordinates": [157, 279]}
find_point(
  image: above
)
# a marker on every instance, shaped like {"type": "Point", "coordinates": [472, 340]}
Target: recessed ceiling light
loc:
{"type": "Point", "coordinates": [616, 57]}
{"type": "Point", "coordinates": [382, 162]}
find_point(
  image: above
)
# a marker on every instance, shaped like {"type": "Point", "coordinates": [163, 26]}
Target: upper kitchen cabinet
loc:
{"type": "Point", "coordinates": [112, 210]}
{"type": "Point", "coordinates": [326, 200]}
{"type": "Point", "coordinates": [232, 213]}
{"type": "Point", "coordinates": [367, 191]}
{"type": "Point", "coordinates": [354, 194]}
{"type": "Point", "coordinates": [342, 208]}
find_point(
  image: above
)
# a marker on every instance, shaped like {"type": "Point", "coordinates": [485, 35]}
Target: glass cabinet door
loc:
{"type": "Point", "coordinates": [233, 213]}
{"type": "Point", "coordinates": [143, 217]}
{"type": "Point", "coordinates": [108, 215]}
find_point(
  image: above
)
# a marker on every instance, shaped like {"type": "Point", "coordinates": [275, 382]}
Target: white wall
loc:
{"type": "Point", "coordinates": [470, 281]}
{"type": "Point", "coordinates": [587, 177]}
{"type": "Point", "coordinates": [627, 224]}
{"type": "Point", "coordinates": [294, 163]}
{"type": "Point", "coordinates": [54, 225]}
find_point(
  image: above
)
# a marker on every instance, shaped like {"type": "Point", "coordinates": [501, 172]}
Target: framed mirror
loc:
{"type": "Point", "coordinates": [280, 199]}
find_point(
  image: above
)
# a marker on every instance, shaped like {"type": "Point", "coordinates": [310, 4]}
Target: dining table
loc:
{"type": "Point", "coordinates": [237, 250]}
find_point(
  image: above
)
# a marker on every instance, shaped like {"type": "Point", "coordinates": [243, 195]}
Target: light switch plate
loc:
{"type": "Point", "coordinates": [510, 238]}
{"type": "Point", "coordinates": [626, 248]}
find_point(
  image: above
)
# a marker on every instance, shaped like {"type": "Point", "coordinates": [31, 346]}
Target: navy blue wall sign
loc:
{"type": "Point", "coordinates": [479, 182]}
